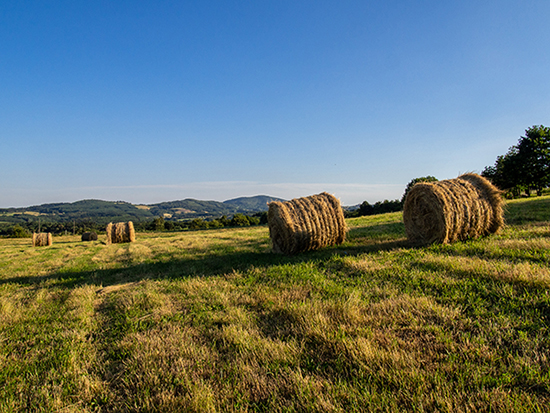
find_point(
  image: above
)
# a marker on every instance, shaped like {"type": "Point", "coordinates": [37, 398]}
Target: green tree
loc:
{"type": "Point", "coordinates": [253, 220]}
{"type": "Point", "coordinates": [506, 173]}
{"type": "Point", "coordinates": [215, 223]}
{"type": "Point", "coordinates": [534, 154]}
{"type": "Point", "coordinates": [240, 220]}
{"type": "Point", "coordinates": [262, 217]}
{"type": "Point", "coordinates": [365, 209]}
{"type": "Point", "coordinates": [225, 221]}
{"type": "Point", "coordinates": [198, 223]}
{"type": "Point", "coordinates": [158, 224]}
{"type": "Point", "coordinates": [525, 166]}
{"type": "Point", "coordinates": [17, 231]}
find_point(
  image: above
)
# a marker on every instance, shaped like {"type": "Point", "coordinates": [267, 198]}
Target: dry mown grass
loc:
{"type": "Point", "coordinates": [213, 321]}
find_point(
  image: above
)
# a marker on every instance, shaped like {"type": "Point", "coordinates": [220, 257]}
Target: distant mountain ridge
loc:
{"type": "Point", "coordinates": [244, 205]}
{"type": "Point", "coordinates": [105, 211]}
{"type": "Point", "coordinates": [252, 203]}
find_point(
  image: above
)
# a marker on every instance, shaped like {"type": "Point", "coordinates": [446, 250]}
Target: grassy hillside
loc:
{"type": "Point", "coordinates": [192, 208]}
{"type": "Point", "coordinates": [213, 321]}
{"type": "Point", "coordinates": [253, 203]}
{"type": "Point", "coordinates": [89, 209]}
{"type": "Point", "coordinates": [103, 212]}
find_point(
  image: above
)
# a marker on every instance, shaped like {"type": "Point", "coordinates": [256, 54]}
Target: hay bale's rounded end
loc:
{"type": "Point", "coordinates": [120, 232]}
{"type": "Point", "coordinates": [42, 239]}
{"type": "Point", "coordinates": [131, 233]}
{"type": "Point", "coordinates": [280, 227]}
{"type": "Point", "coordinates": [304, 224]}
{"type": "Point", "coordinates": [423, 215]}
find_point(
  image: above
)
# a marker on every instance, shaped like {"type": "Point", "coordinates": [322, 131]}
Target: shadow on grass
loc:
{"type": "Point", "coordinates": [218, 263]}
{"type": "Point", "coordinates": [518, 213]}
{"type": "Point", "coordinates": [528, 297]}
{"type": "Point", "coordinates": [512, 255]}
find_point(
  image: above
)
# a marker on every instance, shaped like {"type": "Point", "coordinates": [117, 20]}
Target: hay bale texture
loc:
{"type": "Point", "coordinates": [89, 236]}
{"type": "Point", "coordinates": [452, 210]}
{"type": "Point", "coordinates": [305, 224]}
{"type": "Point", "coordinates": [120, 232]}
{"type": "Point", "coordinates": [42, 239]}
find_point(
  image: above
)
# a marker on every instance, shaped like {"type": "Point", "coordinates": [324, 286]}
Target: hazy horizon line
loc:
{"type": "Point", "coordinates": [219, 191]}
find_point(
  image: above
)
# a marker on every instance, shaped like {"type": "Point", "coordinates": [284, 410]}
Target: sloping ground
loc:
{"type": "Point", "coordinates": [91, 209]}
{"type": "Point", "coordinates": [106, 211]}
{"type": "Point", "coordinates": [213, 321]}
{"type": "Point", "coordinates": [255, 203]}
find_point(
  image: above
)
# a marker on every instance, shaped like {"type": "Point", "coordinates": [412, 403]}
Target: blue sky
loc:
{"type": "Point", "coordinates": [150, 101]}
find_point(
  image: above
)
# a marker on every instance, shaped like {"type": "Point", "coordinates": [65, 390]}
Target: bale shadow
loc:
{"type": "Point", "coordinates": [209, 265]}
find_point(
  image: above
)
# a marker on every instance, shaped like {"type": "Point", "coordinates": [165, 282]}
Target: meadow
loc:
{"type": "Point", "coordinates": [213, 321]}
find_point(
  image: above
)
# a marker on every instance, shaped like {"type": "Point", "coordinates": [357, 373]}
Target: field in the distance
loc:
{"type": "Point", "coordinates": [213, 321]}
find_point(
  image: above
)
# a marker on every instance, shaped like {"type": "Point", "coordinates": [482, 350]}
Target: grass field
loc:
{"type": "Point", "coordinates": [212, 321]}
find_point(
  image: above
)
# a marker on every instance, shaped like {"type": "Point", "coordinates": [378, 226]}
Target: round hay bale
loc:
{"type": "Point", "coordinates": [120, 232]}
{"type": "Point", "coordinates": [42, 239]}
{"type": "Point", "coordinates": [89, 236]}
{"type": "Point", "coordinates": [305, 224]}
{"type": "Point", "coordinates": [452, 210]}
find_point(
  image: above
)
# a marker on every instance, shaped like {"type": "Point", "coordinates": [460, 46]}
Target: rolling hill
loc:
{"type": "Point", "coordinates": [105, 211]}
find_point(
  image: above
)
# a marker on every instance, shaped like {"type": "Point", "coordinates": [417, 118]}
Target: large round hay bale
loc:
{"type": "Point", "coordinates": [42, 239]}
{"type": "Point", "coordinates": [304, 224]}
{"type": "Point", "coordinates": [120, 232]}
{"type": "Point", "coordinates": [452, 210]}
{"type": "Point", "coordinates": [89, 236]}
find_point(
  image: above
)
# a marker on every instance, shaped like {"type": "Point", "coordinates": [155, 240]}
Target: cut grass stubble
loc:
{"type": "Point", "coordinates": [212, 321]}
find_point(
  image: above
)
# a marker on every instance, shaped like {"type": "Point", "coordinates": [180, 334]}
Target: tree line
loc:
{"type": "Point", "coordinates": [25, 229]}
{"type": "Point", "coordinates": [380, 207]}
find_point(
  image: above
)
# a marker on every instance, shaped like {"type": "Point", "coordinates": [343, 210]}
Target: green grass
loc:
{"type": "Point", "coordinates": [213, 321]}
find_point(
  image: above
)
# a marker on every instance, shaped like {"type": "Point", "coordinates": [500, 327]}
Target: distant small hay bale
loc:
{"type": "Point", "coordinates": [42, 239]}
{"type": "Point", "coordinates": [89, 236]}
{"type": "Point", "coordinates": [305, 224]}
{"type": "Point", "coordinates": [120, 232]}
{"type": "Point", "coordinates": [452, 210]}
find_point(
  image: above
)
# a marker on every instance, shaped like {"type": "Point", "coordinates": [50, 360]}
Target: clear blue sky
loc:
{"type": "Point", "coordinates": [150, 101]}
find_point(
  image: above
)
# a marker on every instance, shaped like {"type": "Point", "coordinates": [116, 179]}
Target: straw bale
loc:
{"type": "Point", "coordinates": [452, 210]}
{"type": "Point", "coordinates": [120, 232]}
{"type": "Point", "coordinates": [89, 236]}
{"type": "Point", "coordinates": [42, 239]}
{"type": "Point", "coordinates": [305, 224]}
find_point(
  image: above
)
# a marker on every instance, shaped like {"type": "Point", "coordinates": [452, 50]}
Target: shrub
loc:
{"type": "Point", "coordinates": [240, 220]}
{"type": "Point", "coordinates": [198, 223]}
{"type": "Point", "coordinates": [17, 231]}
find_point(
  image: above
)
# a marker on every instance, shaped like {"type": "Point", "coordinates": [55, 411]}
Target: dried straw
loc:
{"type": "Point", "coordinates": [120, 232]}
{"type": "Point", "coordinates": [89, 236]}
{"type": "Point", "coordinates": [42, 239]}
{"type": "Point", "coordinates": [452, 210]}
{"type": "Point", "coordinates": [305, 224]}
